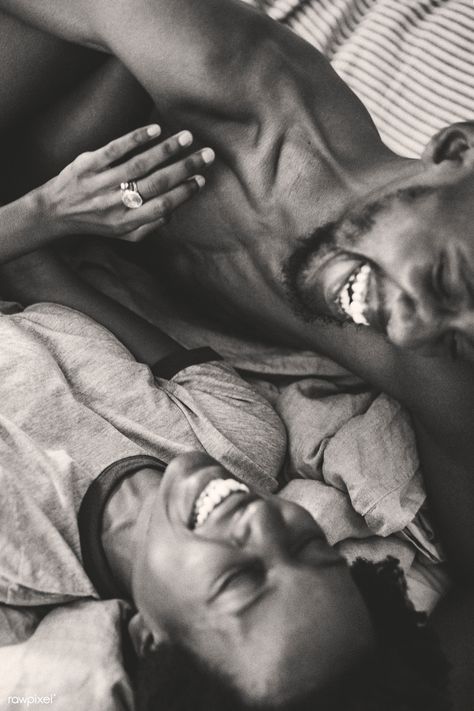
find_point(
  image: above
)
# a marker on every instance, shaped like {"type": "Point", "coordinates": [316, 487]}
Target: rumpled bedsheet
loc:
{"type": "Point", "coordinates": [70, 654]}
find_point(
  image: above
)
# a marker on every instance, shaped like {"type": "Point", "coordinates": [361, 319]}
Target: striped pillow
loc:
{"type": "Point", "coordinates": [411, 62]}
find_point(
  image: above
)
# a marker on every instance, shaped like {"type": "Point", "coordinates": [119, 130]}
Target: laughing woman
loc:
{"type": "Point", "coordinates": [143, 471]}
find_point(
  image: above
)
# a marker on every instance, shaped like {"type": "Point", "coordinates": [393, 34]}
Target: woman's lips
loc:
{"type": "Point", "coordinates": [226, 509]}
{"type": "Point", "coordinates": [188, 491]}
{"type": "Point", "coordinates": [215, 495]}
{"type": "Point", "coordinates": [185, 491]}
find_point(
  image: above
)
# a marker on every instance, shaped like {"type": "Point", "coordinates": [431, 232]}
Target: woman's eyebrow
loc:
{"type": "Point", "coordinates": [245, 609]}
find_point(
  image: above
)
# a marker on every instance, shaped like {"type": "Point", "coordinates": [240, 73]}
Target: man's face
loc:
{"type": "Point", "coordinates": [252, 587]}
{"type": "Point", "coordinates": [403, 262]}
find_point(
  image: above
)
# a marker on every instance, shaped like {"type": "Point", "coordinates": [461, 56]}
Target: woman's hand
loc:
{"type": "Point", "coordinates": [86, 196]}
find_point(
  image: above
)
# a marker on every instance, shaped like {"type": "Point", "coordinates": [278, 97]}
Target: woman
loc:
{"type": "Point", "coordinates": [238, 600]}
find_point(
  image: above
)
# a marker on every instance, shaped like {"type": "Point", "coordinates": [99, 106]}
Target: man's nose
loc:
{"type": "Point", "coordinates": [414, 321]}
{"type": "Point", "coordinates": [422, 323]}
{"type": "Point", "coordinates": [262, 528]}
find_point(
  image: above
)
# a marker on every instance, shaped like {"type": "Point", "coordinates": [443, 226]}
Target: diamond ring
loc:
{"type": "Point", "coordinates": [131, 198]}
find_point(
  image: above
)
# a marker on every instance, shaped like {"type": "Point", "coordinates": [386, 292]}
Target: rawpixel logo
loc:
{"type": "Point", "coordinates": [31, 700]}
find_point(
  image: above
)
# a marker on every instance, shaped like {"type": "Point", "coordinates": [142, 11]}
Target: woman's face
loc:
{"type": "Point", "coordinates": [249, 583]}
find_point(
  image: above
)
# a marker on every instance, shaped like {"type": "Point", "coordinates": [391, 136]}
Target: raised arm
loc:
{"type": "Point", "coordinates": [186, 54]}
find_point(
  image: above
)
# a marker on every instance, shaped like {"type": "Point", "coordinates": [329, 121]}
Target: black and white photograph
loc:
{"type": "Point", "coordinates": [237, 355]}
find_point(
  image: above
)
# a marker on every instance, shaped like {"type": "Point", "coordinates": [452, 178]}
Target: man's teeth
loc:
{"type": "Point", "coordinates": [353, 296]}
{"type": "Point", "coordinates": [212, 495]}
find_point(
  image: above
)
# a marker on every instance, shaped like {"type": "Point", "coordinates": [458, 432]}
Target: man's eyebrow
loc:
{"type": "Point", "coordinates": [353, 227]}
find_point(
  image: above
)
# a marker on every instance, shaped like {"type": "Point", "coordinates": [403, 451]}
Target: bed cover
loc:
{"type": "Point", "coordinates": [411, 63]}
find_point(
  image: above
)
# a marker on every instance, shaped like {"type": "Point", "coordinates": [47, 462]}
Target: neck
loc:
{"type": "Point", "coordinates": [125, 521]}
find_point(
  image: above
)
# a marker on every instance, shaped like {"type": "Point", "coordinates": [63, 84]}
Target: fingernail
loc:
{"type": "Point", "coordinates": [208, 155]}
{"type": "Point", "coordinates": [153, 130]}
{"type": "Point", "coordinates": [185, 138]}
{"type": "Point", "coordinates": [200, 180]}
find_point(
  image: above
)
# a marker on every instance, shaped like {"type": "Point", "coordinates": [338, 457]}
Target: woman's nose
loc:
{"type": "Point", "coordinates": [262, 528]}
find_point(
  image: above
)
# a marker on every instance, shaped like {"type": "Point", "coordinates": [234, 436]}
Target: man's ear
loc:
{"type": "Point", "coordinates": [143, 639]}
{"type": "Point", "coordinates": [454, 143]}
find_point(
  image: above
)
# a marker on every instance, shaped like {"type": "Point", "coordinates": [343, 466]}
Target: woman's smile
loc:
{"type": "Point", "coordinates": [217, 494]}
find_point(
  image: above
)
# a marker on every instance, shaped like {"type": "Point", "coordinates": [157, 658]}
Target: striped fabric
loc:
{"type": "Point", "coordinates": [410, 61]}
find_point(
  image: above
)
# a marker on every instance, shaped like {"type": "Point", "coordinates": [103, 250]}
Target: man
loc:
{"type": "Point", "coordinates": [288, 167]}
{"type": "Point", "coordinates": [297, 152]}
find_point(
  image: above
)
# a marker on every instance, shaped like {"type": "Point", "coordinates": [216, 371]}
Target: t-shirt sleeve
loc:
{"type": "Point", "coordinates": [232, 422]}
{"type": "Point", "coordinates": [90, 521]}
{"type": "Point", "coordinates": [170, 365]}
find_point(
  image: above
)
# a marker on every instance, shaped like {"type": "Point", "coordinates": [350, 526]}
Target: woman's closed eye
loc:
{"type": "Point", "coordinates": [246, 577]}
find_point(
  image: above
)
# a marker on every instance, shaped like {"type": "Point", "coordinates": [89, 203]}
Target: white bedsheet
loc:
{"type": "Point", "coordinates": [71, 655]}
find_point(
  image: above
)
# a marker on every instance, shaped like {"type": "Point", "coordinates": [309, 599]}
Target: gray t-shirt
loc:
{"type": "Point", "coordinates": [73, 400]}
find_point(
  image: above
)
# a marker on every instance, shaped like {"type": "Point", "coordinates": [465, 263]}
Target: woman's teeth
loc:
{"type": "Point", "coordinates": [353, 296]}
{"type": "Point", "coordinates": [212, 496]}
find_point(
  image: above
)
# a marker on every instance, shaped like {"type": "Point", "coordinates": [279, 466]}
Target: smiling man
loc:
{"type": "Point", "coordinates": [402, 262]}
{"type": "Point", "coordinates": [296, 151]}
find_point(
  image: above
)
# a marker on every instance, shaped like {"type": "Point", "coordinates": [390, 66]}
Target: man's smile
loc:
{"type": "Point", "coordinates": [361, 298]}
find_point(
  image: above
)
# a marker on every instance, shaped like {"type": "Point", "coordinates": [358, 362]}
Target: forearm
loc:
{"type": "Point", "coordinates": [43, 277]}
{"type": "Point", "coordinates": [25, 225]}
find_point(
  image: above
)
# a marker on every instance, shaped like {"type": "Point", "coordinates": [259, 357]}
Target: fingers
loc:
{"type": "Point", "coordinates": [157, 211]}
{"type": "Point", "coordinates": [120, 147]}
{"type": "Point", "coordinates": [147, 161]}
{"type": "Point", "coordinates": [164, 179]}
{"type": "Point", "coordinates": [140, 233]}
{"type": "Point", "coordinates": [163, 206]}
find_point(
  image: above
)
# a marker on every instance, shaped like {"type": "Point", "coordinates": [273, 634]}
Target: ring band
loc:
{"type": "Point", "coordinates": [131, 198]}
